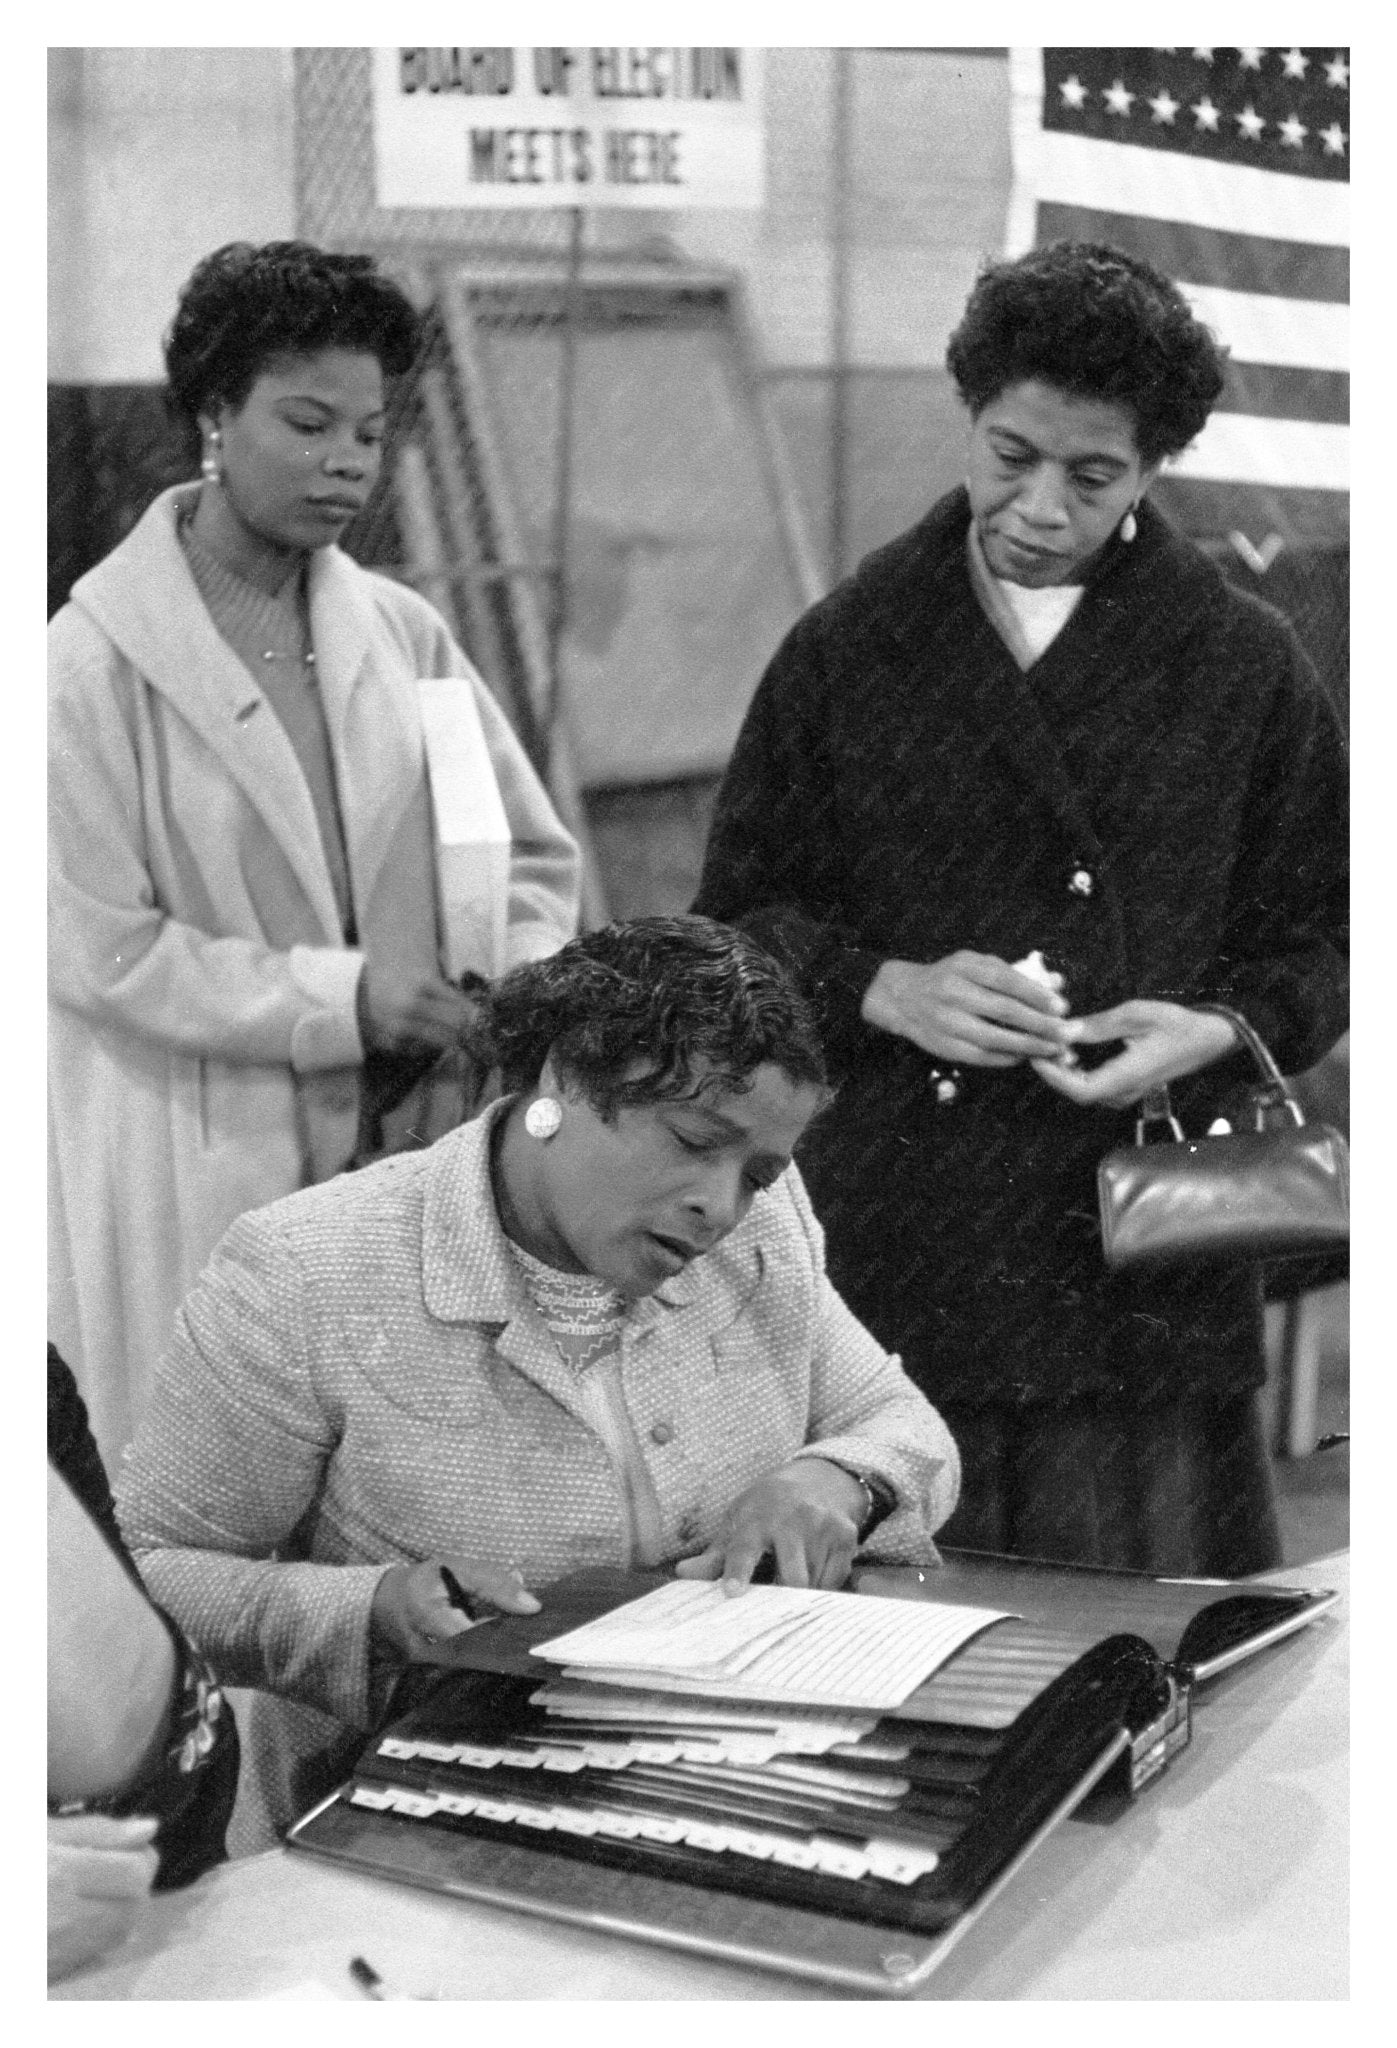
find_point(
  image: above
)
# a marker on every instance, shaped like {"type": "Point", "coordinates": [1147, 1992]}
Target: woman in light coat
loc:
{"type": "Point", "coordinates": [257, 750]}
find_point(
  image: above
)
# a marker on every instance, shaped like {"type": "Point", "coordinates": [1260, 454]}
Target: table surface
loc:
{"type": "Point", "coordinates": [1227, 1879]}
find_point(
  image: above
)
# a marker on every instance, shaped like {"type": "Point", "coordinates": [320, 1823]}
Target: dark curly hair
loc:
{"type": "Point", "coordinates": [699, 1003]}
{"type": "Point", "coordinates": [1095, 323]}
{"type": "Point", "coordinates": [244, 305]}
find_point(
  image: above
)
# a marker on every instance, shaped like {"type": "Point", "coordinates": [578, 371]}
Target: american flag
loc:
{"type": "Point", "coordinates": [1228, 170]}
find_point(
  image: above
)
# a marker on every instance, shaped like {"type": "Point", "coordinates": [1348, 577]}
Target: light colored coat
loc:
{"type": "Point", "coordinates": [362, 1364]}
{"type": "Point", "coordinates": [204, 1047]}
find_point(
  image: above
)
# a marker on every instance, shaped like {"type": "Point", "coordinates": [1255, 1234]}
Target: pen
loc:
{"type": "Point", "coordinates": [460, 1599]}
{"type": "Point", "coordinates": [369, 1981]}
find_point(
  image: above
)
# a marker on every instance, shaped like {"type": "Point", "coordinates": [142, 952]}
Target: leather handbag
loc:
{"type": "Point", "coordinates": [1279, 1190]}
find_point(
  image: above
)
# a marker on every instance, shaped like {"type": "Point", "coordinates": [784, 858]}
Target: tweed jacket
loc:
{"type": "Point", "coordinates": [360, 1377]}
{"type": "Point", "coordinates": [204, 1048]}
{"type": "Point", "coordinates": [1158, 804]}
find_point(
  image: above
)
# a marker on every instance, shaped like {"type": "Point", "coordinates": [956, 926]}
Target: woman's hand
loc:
{"type": "Point", "coordinates": [1162, 1042]}
{"type": "Point", "coordinates": [972, 1008]}
{"type": "Point", "coordinates": [407, 1013]}
{"type": "Point", "coordinates": [806, 1513]}
{"type": "Point", "coordinates": [100, 1870]}
{"type": "Point", "coordinates": [412, 1614]}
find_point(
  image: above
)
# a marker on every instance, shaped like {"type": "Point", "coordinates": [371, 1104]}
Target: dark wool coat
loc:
{"type": "Point", "coordinates": [1158, 805]}
{"type": "Point", "coordinates": [192, 1801]}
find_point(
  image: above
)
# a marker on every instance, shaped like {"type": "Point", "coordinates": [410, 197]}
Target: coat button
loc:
{"type": "Point", "coordinates": [1082, 882]}
{"type": "Point", "coordinates": [947, 1086]}
{"type": "Point", "coordinates": [661, 1432]}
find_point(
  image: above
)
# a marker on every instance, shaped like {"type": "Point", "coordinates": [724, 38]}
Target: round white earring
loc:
{"type": "Point", "coordinates": [542, 1118]}
{"type": "Point", "coordinates": [208, 467]}
{"type": "Point", "coordinates": [1129, 525]}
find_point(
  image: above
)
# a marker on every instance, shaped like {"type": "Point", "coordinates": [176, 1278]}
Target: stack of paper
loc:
{"type": "Point", "coordinates": [799, 1731]}
{"type": "Point", "coordinates": [780, 1643]}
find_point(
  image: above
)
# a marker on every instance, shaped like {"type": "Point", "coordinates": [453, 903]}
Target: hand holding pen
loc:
{"type": "Point", "coordinates": [418, 1609]}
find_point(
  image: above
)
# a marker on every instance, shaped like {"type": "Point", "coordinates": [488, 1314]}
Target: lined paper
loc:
{"type": "Point", "coordinates": [780, 1643]}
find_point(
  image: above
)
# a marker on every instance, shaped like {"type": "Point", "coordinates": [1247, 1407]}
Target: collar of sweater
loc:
{"type": "Point", "coordinates": [243, 611]}
{"type": "Point", "coordinates": [908, 584]}
{"type": "Point", "coordinates": [1027, 621]}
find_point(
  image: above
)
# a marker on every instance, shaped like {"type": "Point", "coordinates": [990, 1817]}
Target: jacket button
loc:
{"type": "Point", "coordinates": [661, 1432]}
{"type": "Point", "coordinates": [1082, 882]}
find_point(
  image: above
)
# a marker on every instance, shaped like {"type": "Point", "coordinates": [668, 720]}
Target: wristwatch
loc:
{"type": "Point", "coordinates": [878, 1495]}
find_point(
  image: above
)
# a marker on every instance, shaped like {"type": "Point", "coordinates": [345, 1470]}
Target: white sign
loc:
{"type": "Point", "coordinates": [551, 127]}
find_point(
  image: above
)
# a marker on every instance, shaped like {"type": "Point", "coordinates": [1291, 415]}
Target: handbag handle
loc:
{"type": "Point", "coordinates": [1155, 1107]}
{"type": "Point", "coordinates": [1278, 1088]}
{"type": "Point", "coordinates": [1250, 1038]}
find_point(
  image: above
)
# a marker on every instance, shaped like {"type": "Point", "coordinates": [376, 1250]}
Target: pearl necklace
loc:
{"type": "Point", "coordinates": [303, 657]}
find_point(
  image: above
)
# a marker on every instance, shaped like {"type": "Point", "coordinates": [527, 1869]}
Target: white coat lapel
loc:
{"type": "Point", "coordinates": [375, 733]}
{"type": "Point", "coordinates": [152, 611]}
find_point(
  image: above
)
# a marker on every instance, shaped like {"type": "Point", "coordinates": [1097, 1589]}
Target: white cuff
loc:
{"type": "Point", "coordinates": [327, 1036]}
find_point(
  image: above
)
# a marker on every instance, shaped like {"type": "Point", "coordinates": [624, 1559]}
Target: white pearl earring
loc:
{"type": "Point", "coordinates": [542, 1118]}
{"type": "Point", "coordinates": [209, 467]}
{"type": "Point", "coordinates": [1129, 525]}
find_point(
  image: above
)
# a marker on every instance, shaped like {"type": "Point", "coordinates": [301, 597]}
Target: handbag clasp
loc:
{"type": "Point", "coordinates": [1273, 1096]}
{"type": "Point", "coordinates": [1155, 1108]}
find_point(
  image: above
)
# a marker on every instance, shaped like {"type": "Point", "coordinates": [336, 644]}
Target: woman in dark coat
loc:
{"type": "Point", "coordinates": [1041, 723]}
{"type": "Point", "coordinates": [142, 1748]}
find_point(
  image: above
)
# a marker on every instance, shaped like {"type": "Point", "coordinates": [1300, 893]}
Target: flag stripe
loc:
{"type": "Point", "coordinates": [1306, 518]}
{"type": "Point", "coordinates": [1078, 171]}
{"type": "Point", "coordinates": [1196, 255]}
{"type": "Point", "coordinates": [1304, 454]}
{"type": "Point", "coordinates": [1262, 330]}
{"type": "Point", "coordinates": [1282, 393]}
